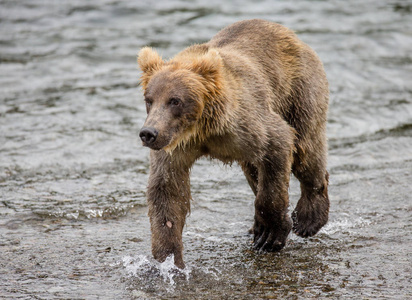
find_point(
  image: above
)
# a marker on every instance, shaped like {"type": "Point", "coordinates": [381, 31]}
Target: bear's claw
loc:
{"type": "Point", "coordinates": [271, 239]}
{"type": "Point", "coordinates": [309, 217]}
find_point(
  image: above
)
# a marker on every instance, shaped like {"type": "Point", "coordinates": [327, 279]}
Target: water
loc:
{"type": "Point", "coordinates": [73, 216]}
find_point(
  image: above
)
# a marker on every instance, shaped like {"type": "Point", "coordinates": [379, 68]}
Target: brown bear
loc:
{"type": "Point", "coordinates": [254, 94]}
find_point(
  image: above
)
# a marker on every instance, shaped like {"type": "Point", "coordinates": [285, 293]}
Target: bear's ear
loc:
{"type": "Point", "coordinates": [149, 62]}
{"type": "Point", "coordinates": [209, 66]}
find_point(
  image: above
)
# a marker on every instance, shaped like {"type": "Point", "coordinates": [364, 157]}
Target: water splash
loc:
{"type": "Point", "coordinates": [144, 268]}
{"type": "Point", "coordinates": [344, 224]}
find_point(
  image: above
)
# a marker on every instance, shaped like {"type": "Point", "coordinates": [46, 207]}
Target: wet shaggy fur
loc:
{"type": "Point", "coordinates": [254, 94]}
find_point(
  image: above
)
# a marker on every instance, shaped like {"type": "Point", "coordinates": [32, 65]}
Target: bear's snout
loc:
{"type": "Point", "coordinates": [148, 135]}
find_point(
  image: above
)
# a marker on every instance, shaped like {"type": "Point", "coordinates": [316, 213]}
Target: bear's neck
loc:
{"type": "Point", "coordinates": [220, 109]}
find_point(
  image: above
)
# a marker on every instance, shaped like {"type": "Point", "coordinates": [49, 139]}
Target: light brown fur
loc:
{"type": "Point", "coordinates": [254, 94]}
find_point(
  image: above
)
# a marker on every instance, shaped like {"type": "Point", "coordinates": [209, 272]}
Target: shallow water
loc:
{"type": "Point", "coordinates": [73, 217]}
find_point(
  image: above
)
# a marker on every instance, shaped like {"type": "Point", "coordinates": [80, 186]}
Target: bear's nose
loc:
{"type": "Point", "coordinates": [148, 135]}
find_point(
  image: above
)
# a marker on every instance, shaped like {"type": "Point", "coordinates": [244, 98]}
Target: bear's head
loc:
{"type": "Point", "coordinates": [176, 93]}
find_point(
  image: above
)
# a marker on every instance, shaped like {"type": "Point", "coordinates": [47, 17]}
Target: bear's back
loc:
{"type": "Point", "coordinates": [263, 53]}
{"type": "Point", "coordinates": [250, 35]}
{"type": "Point", "coordinates": [268, 54]}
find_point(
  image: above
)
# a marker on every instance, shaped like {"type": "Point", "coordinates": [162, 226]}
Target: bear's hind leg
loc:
{"type": "Point", "coordinates": [312, 210]}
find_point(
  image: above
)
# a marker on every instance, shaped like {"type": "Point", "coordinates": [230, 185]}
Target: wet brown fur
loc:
{"type": "Point", "coordinates": [254, 94]}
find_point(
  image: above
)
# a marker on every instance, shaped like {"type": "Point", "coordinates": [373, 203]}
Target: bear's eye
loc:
{"type": "Point", "coordinates": [175, 101]}
{"type": "Point", "coordinates": [148, 103]}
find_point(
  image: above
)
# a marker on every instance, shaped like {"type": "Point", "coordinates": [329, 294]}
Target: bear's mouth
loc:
{"type": "Point", "coordinates": [152, 139]}
{"type": "Point", "coordinates": [153, 147]}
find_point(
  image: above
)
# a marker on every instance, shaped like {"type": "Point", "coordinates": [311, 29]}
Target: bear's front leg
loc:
{"type": "Point", "coordinates": [272, 222]}
{"type": "Point", "coordinates": [168, 197]}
